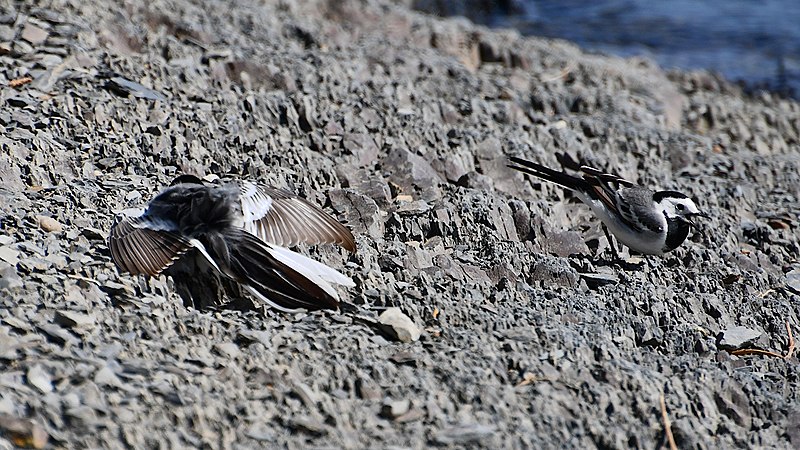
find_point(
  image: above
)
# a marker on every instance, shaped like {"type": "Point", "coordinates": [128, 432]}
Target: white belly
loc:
{"type": "Point", "coordinates": [646, 242]}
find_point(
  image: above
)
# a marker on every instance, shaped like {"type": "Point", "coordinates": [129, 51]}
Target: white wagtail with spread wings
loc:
{"type": "Point", "coordinates": [213, 238]}
{"type": "Point", "coordinates": [649, 222]}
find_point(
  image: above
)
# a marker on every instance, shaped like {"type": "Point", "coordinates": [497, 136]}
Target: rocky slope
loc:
{"type": "Point", "coordinates": [400, 125]}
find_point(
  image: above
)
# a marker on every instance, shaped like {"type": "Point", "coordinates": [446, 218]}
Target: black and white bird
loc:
{"type": "Point", "coordinates": [222, 238]}
{"type": "Point", "coordinates": [649, 222]}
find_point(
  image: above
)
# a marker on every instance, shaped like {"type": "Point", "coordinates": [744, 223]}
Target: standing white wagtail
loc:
{"type": "Point", "coordinates": [649, 222]}
{"type": "Point", "coordinates": [217, 238]}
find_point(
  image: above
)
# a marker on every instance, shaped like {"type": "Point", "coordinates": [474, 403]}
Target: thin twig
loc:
{"type": "Point", "coordinates": [88, 280]}
{"type": "Point", "coordinates": [765, 293]}
{"type": "Point", "coordinates": [564, 72]}
{"type": "Point", "coordinates": [529, 378]}
{"type": "Point", "coordinates": [20, 81]}
{"type": "Point", "coordinates": [667, 424]}
{"type": "Point", "coordinates": [755, 351]}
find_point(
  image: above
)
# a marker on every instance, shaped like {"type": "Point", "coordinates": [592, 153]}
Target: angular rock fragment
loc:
{"type": "Point", "coordinates": [9, 278]}
{"type": "Point", "coordinates": [410, 171]}
{"type": "Point", "coordinates": [361, 213]}
{"type": "Point", "coordinates": [40, 379]}
{"type": "Point", "coordinates": [9, 255]}
{"type": "Point", "coordinates": [8, 345]}
{"type": "Point", "coordinates": [23, 433]}
{"type": "Point", "coordinates": [554, 271]}
{"type": "Point", "coordinates": [392, 409]}
{"type": "Point", "coordinates": [736, 337]}
{"type": "Point", "coordinates": [398, 326]}
{"type": "Point", "coordinates": [106, 377]}
{"type": "Point", "coordinates": [367, 389]}
{"type": "Point", "coordinates": [793, 280]}
{"type": "Point", "coordinates": [71, 319]}
{"type": "Point", "coordinates": [648, 334]}
{"type": "Point", "coordinates": [33, 34]}
{"type": "Point", "coordinates": [227, 350]}
{"type": "Point", "coordinates": [464, 434]}
{"type": "Point", "coordinates": [123, 86]}
{"type": "Point", "coordinates": [596, 280]}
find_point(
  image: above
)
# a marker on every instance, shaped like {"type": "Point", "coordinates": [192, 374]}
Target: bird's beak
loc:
{"type": "Point", "coordinates": [688, 219]}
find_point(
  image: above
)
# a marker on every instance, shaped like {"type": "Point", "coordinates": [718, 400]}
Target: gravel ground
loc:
{"type": "Point", "coordinates": [399, 124]}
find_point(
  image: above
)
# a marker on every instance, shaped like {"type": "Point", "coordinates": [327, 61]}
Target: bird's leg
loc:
{"type": "Point", "coordinates": [199, 293]}
{"type": "Point", "coordinates": [196, 283]}
{"type": "Point", "coordinates": [186, 291]}
{"type": "Point", "coordinates": [611, 243]}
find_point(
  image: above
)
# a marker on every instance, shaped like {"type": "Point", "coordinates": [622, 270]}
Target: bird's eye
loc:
{"type": "Point", "coordinates": [679, 207]}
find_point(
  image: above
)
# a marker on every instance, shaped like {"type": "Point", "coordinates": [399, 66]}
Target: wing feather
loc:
{"type": "Point", "coordinates": [285, 279]}
{"type": "Point", "coordinates": [284, 219]}
{"type": "Point", "coordinates": [139, 249]}
{"type": "Point", "coordinates": [606, 187]}
{"type": "Point", "coordinates": [636, 208]}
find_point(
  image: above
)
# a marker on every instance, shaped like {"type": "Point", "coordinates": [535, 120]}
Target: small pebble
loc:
{"type": "Point", "coordinates": [398, 325]}
{"type": "Point", "coordinates": [49, 224]}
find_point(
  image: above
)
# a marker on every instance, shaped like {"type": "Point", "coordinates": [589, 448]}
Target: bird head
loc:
{"type": "Point", "coordinates": [186, 179]}
{"type": "Point", "coordinates": [677, 206]}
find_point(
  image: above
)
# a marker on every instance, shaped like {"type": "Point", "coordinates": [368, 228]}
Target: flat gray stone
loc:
{"type": "Point", "coordinates": [106, 377]}
{"type": "Point", "coordinates": [8, 345]}
{"type": "Point", "coordinates": [596, 280]}
{"type": "Point", "coordinates": [72, 319]}
{"type": "Point", "coordinates": [793, 280]}
{"type": "Point", "coordinates": [228, 350]}
{"type": "Point", "coordinates": [9, 278]}
{"type": "Point", "coordinates": [33, 34]}
{"type": "Point", "coordinates": [9, 255]}
{"type": "Point", "coordinates": [737, 337]}
{"type": "Point", "coordinates": [464, 434]}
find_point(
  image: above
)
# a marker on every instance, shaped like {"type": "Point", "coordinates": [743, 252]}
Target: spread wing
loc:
{"type": "Point", "coordinates": [284, 219]}
{"type": "Point", "coordinates": [141, 245]}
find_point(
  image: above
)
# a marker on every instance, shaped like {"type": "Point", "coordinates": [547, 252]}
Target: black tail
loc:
{"type": "Point", "coordinates": [563, 179]}
{"type": "Point", "coordinates": [248, 260]}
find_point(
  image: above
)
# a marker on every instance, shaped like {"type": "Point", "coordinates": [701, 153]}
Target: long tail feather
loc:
{"type": "Point", "coordinates": [563, 179]}
{"type": "Point", "coordinates": [312, 269]}
{"type": "Point", "coordinates": [288, 283]}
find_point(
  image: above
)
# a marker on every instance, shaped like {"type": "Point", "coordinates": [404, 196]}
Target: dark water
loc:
{"type": "Point", "coordinates": [756, 42]}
